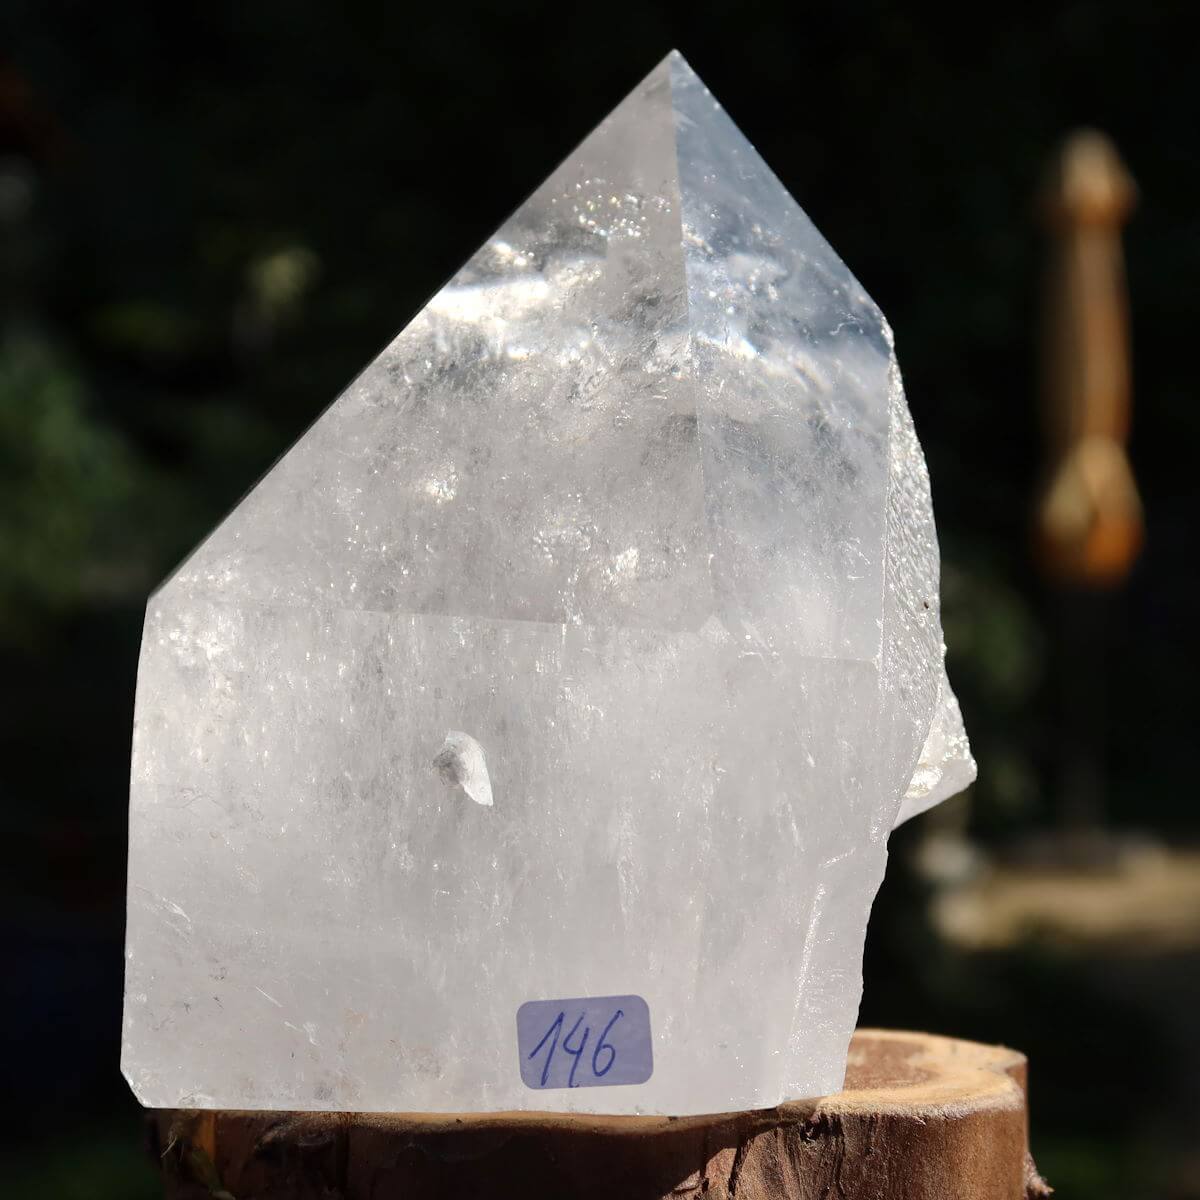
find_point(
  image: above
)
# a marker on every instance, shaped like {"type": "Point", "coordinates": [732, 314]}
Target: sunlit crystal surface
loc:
{"type": "Point", "coordinates": [588, 645]}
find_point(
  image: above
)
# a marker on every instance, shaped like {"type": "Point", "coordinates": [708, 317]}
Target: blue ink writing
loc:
{"type": "Point", "coordinates": [555, 1029]}
{"type": "Point", "coordinates": [559, 1048]}
{"type": "Point", "coordinates": [601, 1045]}
{"type": "Point", "coordinates": [575, 1051]}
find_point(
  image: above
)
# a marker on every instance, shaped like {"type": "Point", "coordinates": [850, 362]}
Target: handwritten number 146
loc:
{"type": "Point", "coordinates": [602, 1047]}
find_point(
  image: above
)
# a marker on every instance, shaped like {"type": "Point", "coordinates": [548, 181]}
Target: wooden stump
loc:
{"type": "Point", "coordinates": [921, 1118]}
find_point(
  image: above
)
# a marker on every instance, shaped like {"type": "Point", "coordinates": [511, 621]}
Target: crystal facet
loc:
{"type": "Point", "coordinates": [587, 645]}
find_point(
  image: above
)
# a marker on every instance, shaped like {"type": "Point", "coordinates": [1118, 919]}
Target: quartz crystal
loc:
{"type": "Point", "coordinates": [588, 645]}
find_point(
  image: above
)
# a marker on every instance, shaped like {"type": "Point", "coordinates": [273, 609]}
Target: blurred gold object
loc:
{"type": "Point", "coordinates": [1089, 519]}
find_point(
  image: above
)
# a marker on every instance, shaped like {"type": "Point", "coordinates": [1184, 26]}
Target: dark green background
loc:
{"type": "Point", "coordinates": [211, 215]}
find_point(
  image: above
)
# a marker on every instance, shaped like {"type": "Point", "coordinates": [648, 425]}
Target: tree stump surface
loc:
{"type": "Point", "coordinates": [921, 1118]}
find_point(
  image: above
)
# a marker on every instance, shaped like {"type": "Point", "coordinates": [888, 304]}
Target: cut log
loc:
{"type": "Point", "coordinates": [921, 1118]}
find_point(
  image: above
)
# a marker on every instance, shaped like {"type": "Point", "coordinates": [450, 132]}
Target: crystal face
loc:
{"type": "Point", "coordinates": [588, 645]}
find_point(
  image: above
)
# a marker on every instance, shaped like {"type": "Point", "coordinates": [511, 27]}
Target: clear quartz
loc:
{"type": "Point", "coordinates": [587, 645]}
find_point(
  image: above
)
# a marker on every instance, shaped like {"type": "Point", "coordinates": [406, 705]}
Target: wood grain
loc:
{"type": "Point", "coordinates": [921, 1117]}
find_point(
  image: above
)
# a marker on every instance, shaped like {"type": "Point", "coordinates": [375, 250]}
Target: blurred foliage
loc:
{"type": "Point", "coordinates": [63, 479]}
{"type": "Point", "coordinates": [212, 216]}
{"type": "Point", "coordinates": [996, 661]}
{"type": "Point", "coordinates": [102, 1165]}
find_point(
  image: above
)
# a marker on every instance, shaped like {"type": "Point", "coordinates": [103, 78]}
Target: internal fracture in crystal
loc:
{"type": "Point", "coordinates": [634, 509]}
{"type": "Point", "coordinates": [461, 761]}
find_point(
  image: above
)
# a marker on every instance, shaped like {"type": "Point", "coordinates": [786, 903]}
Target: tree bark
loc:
{"type": "Point", "coordinates": [921, 1118]}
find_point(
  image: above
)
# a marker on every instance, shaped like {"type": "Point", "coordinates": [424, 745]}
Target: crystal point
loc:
{"type": "Point", "coordinates": [636, 502]}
